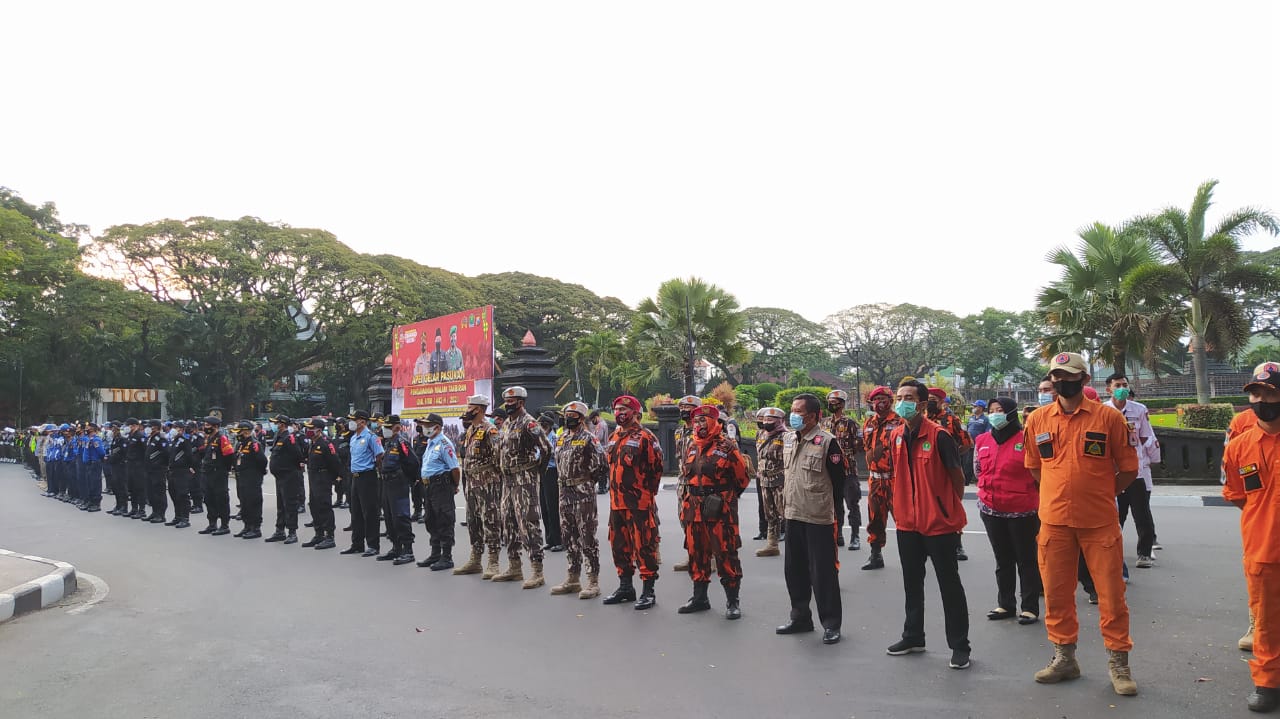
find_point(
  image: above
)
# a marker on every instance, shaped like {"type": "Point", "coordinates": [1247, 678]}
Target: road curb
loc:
{"type": "Point", "coordinates": [39, 593]}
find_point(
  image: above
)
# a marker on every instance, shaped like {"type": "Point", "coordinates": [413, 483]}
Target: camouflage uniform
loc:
{"type": "Point", "coordinates": [484, 489]}
{"type": "Point", "coordinates": [849, 439]}
{"type": "Point", "coordinates": [875, 435]}
{"type": "Point", "coordinates": [635, 473]}
{"type": "Point", "coordinates": [769, 474]}
{"type": "Point", "coordinates": [519, 441]}
{"type": "Point", "coordinates": [580, 461]}
{"type": "Point", "coordinates": [715, 467]}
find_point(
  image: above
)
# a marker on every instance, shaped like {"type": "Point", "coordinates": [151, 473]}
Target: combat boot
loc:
{"type": "Point", "coordinates": [1121, 681]}
{"type": "Point", "coordinates": [1246, 642]}
{"type": "Point", "coordinates": [770, 549]}
{"type": "Point", "coordinates": [213, 524]}
{"type": "Point", "coordinates": [472, 565]}
{"type": "Point", "coordinates": [431, 558]}
{"type": "Point", "coordinates": [698, 602]}
{"type": "Point", "coordinates": [626, 591]}
{"type": "Point", "coordinates": [491, 567]}
{"type": "Point", "coordinates": [277, 537]}
{"type": "Point", "coordinates": [406, 556]}
{"type": "Point", "coordinates": [570, 585]}
{"type": "Point", "coordinates": [292, 538]}
{"type": "Point", "coordinates": [592, 590]}
{"type": "Point", "coordinates": [732, 610]}
{"type": "Point", "coordinates": [255, 532]}
{"type": "Point", "coordinates": [514, 573]}
{"type": "Point", "coordinates": [682, 566]}
{"type": "Point", "coordinates": [221, 530]}
{"type": "Point", "coordinates": [446, 559]}
{"type": "Point", "coordinates": [243, 531]}
{"type": "Point", "coordinates": [1264, 699]}
{"type": "Point", "coordinates": [875, 561]}
{"type": "Point", "coordinates": [647, 599]}
{"type": "Point", "coordinates": [326, 542]}
{"type": "Point", "coordinates": [1063, 666]}
{"type": "Point", "coordinates": [537, 580]}
{"type": "Point", "coordinates": [314, 540]}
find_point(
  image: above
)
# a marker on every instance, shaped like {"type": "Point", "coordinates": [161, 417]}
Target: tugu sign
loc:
{"type": "Point", "coordinates": [115, 394]}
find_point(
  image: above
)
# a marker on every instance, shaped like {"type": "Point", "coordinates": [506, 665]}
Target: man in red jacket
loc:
{"type": "Point", "coordinates": [928, 485]}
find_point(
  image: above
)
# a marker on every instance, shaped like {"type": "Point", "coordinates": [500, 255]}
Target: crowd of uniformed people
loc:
{"type": "Point", "coordinates": [1048, 484]}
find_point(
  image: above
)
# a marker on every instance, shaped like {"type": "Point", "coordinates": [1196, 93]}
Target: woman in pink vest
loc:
{"type": "Point", "coordinates": [1008, 500]}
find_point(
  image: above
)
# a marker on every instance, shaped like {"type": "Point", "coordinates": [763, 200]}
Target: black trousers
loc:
{"type": "Point", "coordinates": [137, 483]}
{"type": "Point", "coordinates": [120, 485]}
{"type": "Point", "coordinates": [364, 509]}
{"type": "Point", "coordinates": [809, 565]}
{"type": "Point", "coordinates": [321, 505]}
{"type": "Point", "coordinates": [764, 524]}
{"type": "Point", "coordinates": [342, 490]}
{"type": "Point", "coordinates": [157, 491]}
{"type": "Point", "coordinates": [198, 484]}
{"type": "Point", "coordinates": [441, 512]}
{"type": "Point", "coordinates": [914, 549]}
{"type": "Point", "coordinates": [848, 498]}
{"type": "Point", "coordinates": [1138, 498]}
{"type": "Point", "coordinates": [180, 492]}
{"type": "Point", "coordinates": [287, 493]}
{"type": "Point", "coordinates": [418, 492]}
{"type": "Point", "coordinates": [249, 493]}
{"type": "Point", "coordinates": [396, 511]}
{"type": "Point", "coordinates": [549, 499]}
{"type": "Point", "coordinates": [218, 500]}
{"type": "Point", "coordinates": [1013, 541]}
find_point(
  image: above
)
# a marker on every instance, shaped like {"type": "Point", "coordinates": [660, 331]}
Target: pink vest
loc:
{"type": "Point", "coordinates": [1004, 484]}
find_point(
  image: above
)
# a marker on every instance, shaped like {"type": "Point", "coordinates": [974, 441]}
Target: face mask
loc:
{"type": "Point", "coordinates": [622, 416]}
{"type": "Point", "coordinates": [1068, 388]}
{"type": "Point", "coordinates": [572, 422]}
{"type": "Point", "coordinates": [906, 409]}
{"type": "Point", "coordinates": [686, 415]}
{"type": "Point", "coordinates": [1266, 411]}
{"type": "Point", "coordinates": [146, 432]}
{"type": "Point", "coordinates": [351, 425]}
{"type": "Point", "coordinates": [387, 433]}
{"type": "Point", "coordinates": [273, 427]}
{"type": "Point", "coordinates": [700, 431]}
{"type": "Point", "coordinates": [933, 406]}
{"type": "Point", "coordinates": [1120, 394]}
{"type": "Point", "coordinates": [1044, 398]}
{"type": "Point", "coordinates": [998, 420]}
{"type": "Point", "coordinates": [796, 421]}
{"type": "Point", "coordinates": [511, 408]}
{"type": "Point", "coordinates": [374, 426]}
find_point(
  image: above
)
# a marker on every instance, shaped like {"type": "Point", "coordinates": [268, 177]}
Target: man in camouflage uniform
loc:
{"type": "Point", "coordinates": [635, 473]}
{"type": "Point", "coordinates": [875, 440]}
{"type": "Point", "coordinates": [849, 438]}
{"type": "Point", "coordinates": [522, 447]}
{"type": "Point", "coordinates": [483, 482]}
{"type": "Point", "coordinates": [580, 460]}
{"type": "Point", "coordinates": [684, 435]}
{"type": "Point", "coordinates": [769, 474]}
{"type": "Point", "coordinates": [939, 411]}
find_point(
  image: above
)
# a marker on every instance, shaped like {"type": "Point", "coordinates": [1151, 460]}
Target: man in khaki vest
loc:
{"type": "Point", "coordinates": [814, 467]}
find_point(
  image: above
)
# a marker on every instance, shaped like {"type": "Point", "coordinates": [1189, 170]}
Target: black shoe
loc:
{"type": "Point", "coordinates": [309, 524]}
{"type": "Point", "coordinates": [113, 511]}
{"type": "Point", "coordinates": [960, 555]}
{"type": "Point", "coordinates": [446, 562]}
{"type": "Point", "coordinates": [254, 533]}
{"type": "Point", "coordinates": [626, 592]}
{"type": "Point", "coordinates": [370, 552]}
{"type": "Point", "coordinates": [209, 529]}
{"type": "Point", "coordinates": [760, 537]}
{"type": "Point", "coordinates": [646, 600]}
{"type": "Point", "coordinates": [795, 626]}
{"type": "Point", "coordinates": [243, 531]}
{"type": "Point", "coordinates": [830, 636]}
{"type": "Point", "coordinates": [93, 508]}
{"type": "Point", "coordinates": [1026, 618]}
{"type": "Point", "coordinates": [182, 524]}
{"type": "Point", "coordinates": [959, 659]}
{"type": "Point", "coordinates": [292, 538]}
{"type": "Point", "coordinates": [1264, 699]}
{"type": "Point", "coordinates": [406, 558]}
{"type": "Point", "coordinates": [171, 522]}
{"type": "Point", "coordinates": [698, 602]}
{"type": "Point", "coordinates": [875, 561]}
{"type": "Point", "coordinates": [326, 543]}
{"type": "Point", "coordinates": [236, 517]}
{"type": "Point", "coordinates": [431, 558]}
{"type": "Point", "coordinates": [277, 537]}
{"type": "Point", "coordinates": [347, 528]}
{"type": "Point", "coordinates": [417, 516]}
{"type": "Point", "coordinates": [839, 540]}
{"type": "Point", "coordinates": [220, 531]}
{"type": "Point", "coordinates": [313, 541]}
{"type": "Point", "coordinates": [904, 646]}
{"type": "Point", "coordinates": [390, 555]}
{"type": "Point", "coordinates": [352, 550]}
{"type": "Point", "coordinates": [158, 519]}
{"type": "Point", "coordinates": [1000, 613]}
{"type": "Point", "coordinates": [198, 509]}
{"type": "Point", "coordinates": [557, 548]}
{"type": "Point", "coordinates": [732, 608]}
{"type": "Point", "coordinates": [854, 543]}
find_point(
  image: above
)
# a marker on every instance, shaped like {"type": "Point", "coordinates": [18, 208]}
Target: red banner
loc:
{"type": "Point", "coordinates": [437, 363]}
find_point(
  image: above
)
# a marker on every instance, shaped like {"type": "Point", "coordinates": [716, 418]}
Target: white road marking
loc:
{"type": "Point", "coordinates": [100, 591]}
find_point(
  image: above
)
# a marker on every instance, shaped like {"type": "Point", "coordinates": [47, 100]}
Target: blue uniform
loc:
{"type": "Point", "coordinates": [92, 452]}
{"type": "Point", "coordinates": [439, 457]}
{"type": "Point", "coordinates": [365, 450]}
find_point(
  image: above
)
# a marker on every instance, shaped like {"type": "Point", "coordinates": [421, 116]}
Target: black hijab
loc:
{"type": "Point", "coordinates": [1014, 428]}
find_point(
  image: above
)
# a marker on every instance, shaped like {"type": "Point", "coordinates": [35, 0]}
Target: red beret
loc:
{"type": "Point", "coordinates": [707, 410]}
{"type": "Point", "coordinates": [1091, 393]}
{"type": "Point", "coordinates": [629, 402]}
{"type": "Point", "coordinates": [881, 390]}
{"type": "Point", "coordinates": [938, 392]}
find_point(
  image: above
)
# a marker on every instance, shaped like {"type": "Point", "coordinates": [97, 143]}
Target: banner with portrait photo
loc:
{"type": "Point", "coordinates": [437, 364]}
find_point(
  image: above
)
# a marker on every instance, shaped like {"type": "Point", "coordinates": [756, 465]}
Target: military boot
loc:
{"type": "Point", "coordinates": [682, 566]}
{"type": "Point", "coordinates": [491, 566]}
{"type": "Point", "coordinates": [431, 558]}
{"type": "Point", "coordinates": [1063, 666]}
{"type": "Point", "coordinates": [326, 542]}
{"type": "Point", "coordinates": [1264, 699]}
{"type": "Point", "coordinates": [514, 573]}
{"type": "Point", "coordinates": [626, 591]}
{"type": "Point", "coordinates": [770, 549]}
{"type": "Point", "coordinates": [472, 565]}
{"type": "Point", "coordinates": [698, 602]}
{"type": "Point", "coordinates": [213, 524]}
{"type": "Point", "coordinates": [875, 561]}
{"type": "Point", "coordinates": [570, 585]}
{"type": "Point", "coordinates": [592, 590]}
{"type": "Point", "coordinates": [537, 580]}
{"type": "Point", "coordinates": [732, 610]}
{"type": "Point", "coordinates": [1246, 642]}
{"type": "Point", "coordinates": [314, 540]}
{"type": "Point", "coordinates": [446, 559]}
{"type": "Point", "coordinates": [277, 537]}
{"type": "Point", "coordinates": [647, 599]}
{"type": "Point", "coordinates": [1121, 681]}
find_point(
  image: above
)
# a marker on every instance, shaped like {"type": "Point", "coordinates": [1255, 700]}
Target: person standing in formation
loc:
{"type": "Point", "coordinates": [770, 475]}
{"type": "Point", "coordinates": [522, 447]}
{"type": "Point", "coordinates": [483, 481]}
{"type": "Point", "coordinates": [323, 471]}
{"type": "Point", "coordinates": [251, 469]}
{"type": "Point", "coordinates": [845, 430]}
{"type": "Point", "coordinates": [635, 474]}
{"type": "Point", "coordinates": [442, 475]}
{"type": "Point", "coordinates": [683, 438]}
{"type": "Point", "coordinates": [875, 441]}
{"type": "Point", "coordinates": [581, 461]}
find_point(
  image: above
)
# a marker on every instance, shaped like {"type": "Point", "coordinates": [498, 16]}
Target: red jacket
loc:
{"type": "Point", "coordinates": [1004, 483]}
{"type": "Point", "coordinates": [924, 499]}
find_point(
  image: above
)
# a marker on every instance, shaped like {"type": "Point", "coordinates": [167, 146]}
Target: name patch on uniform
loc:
{"type": "Point", "coordinates": [633, 443]}
{"type": "Point", "coordinates": [1249, 469]}
{"type": "Point", "coordinates": [1043, 437]}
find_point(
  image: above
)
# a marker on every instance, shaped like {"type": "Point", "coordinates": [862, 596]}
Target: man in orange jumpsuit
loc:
{"type": "Point", "coordinates": [1240, 423]}
{"type": "Point", "coordinates": [1253, 484]}
{"type": "Point", "coordinates": [1079, 453]}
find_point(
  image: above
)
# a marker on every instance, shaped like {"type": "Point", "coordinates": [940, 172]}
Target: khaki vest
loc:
{"type": "Point", "coordinates": [807, 488]}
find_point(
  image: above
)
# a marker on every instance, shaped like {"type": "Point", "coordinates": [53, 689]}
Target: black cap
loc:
{"type": "Point", "coordinates": [360, 414]}
{"type": "Point", "coordinates": [192, 425]}
{"type": "Point", "coordinates": [317, 423]}
{"type": "Point", "coordinates": [215, 421]}
{"type": "Point", "coordinates": [156, 423]}
{"type": "Point", "coordinates": [282, 419]}
{"type": "Point", "coordinates": [548, 417]}
{"type": "Point", "coordinates": [244, 424]}
{"type": "Point", "coordinates": [132, 420]}
{"type": "Point", "coordinates": [498, 412]}
{"type": "Point", "coordinates": [392, 419]}
{"type": "Point", "coordinates": [434, 418]}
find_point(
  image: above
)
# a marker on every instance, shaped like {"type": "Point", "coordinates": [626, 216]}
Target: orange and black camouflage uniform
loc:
{"type": "Point", "coordinates": [950, 424]}
{"type": "Point", "coordinates": [875, 436]}
{"type": "Point", "coordinates": [714, 466]}
{"type": "Point", "coordinates": [849, 439]}
{"type": "Point", "coordinates": [635, 473]}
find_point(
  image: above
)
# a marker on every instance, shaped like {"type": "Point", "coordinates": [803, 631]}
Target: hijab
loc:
{"type": "Point", "coordinates": [1010, 409]}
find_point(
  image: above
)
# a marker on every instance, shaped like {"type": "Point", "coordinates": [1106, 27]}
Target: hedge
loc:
{"type": "Point", "coordinates": [785, 397]}
{"type": "Point", "coordinates": [1173, 402]}
{"type": "Point", "coordinates": [1206, 416]}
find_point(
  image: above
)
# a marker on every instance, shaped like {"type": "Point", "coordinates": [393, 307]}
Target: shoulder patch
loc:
{"type": "Point", "coordinates": [1248, 469]}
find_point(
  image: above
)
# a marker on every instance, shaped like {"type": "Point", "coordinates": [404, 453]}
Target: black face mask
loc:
{"type": "Point", "coordinates": [1068, 388]}
{"type": "Point", "coordinates": [1266, 411]}
{"type": "Point", "coordinates": [572, 422]}
{"type": "Point", "coordinates": [686, 415]}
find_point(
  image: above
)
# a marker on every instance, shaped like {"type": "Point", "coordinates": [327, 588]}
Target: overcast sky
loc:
{"type": "Point", "coordinates": [812, 156]}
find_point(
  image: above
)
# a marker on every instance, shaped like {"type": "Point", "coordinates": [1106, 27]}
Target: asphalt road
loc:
{"type": "Point", "coordinates": [197, 626]}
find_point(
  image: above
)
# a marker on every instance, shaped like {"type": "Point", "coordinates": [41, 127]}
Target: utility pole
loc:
{"type": "Point", "coordinates": [691, 349]}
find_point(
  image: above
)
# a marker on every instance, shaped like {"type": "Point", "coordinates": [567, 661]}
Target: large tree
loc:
{"type": "Point", "coordinates": [1202, 277]}
{"type": "Point", "coordinates": [687, 320]}
{"type": "Point", "coordinates": [600, 352]}
{"type": "Point", "coordinates": [781, 341]}
{"type": "Point", "coordinates": [993, 343]}
{"type": "Point", "coordinates": [890, 341]}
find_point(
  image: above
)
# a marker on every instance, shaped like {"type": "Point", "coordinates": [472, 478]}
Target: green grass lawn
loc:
{"type": "Point", "coordinates": [1164, 420]}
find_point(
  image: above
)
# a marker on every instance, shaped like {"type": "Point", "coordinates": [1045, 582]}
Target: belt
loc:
{"type": "Point", "coordinates": [359, 472]}
{"type": "Point", "coordinates": [440, 476]}
{"type": "Point", "coordinates": [880, 475]}
{"type": "Point", "coordinates": [700, 491]}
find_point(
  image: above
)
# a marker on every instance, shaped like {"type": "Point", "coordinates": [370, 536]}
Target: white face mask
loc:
{"type": "Point", "coordinates": [351, 425]}
{"type": "Point", "coordinates": [387, 433]}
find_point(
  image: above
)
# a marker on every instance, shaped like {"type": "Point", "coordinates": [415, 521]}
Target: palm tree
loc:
{"type": "Point", "coordinates": [601, 351]}
{"type": "Point", "coordinates": [634, 376]}
{"type": "Point", "coordinates": [686, 320]}
{"type": "Point", "coordinates": [1203, 276]}
{"type": "Point", "coordinates": [1089, 308]}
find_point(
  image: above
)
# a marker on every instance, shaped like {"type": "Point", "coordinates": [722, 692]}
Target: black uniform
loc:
{"type": "Point", "coordinates": [216, 459]}
{"type": "Point", "coordinates": [343, 490]}
{"type": "Point", "coordinates": [119, 476]}
{"type": "Point", "coordinates": [198, 482]}
{"type": "Point", "coordinates": [399, 471]}
{"type": "Point", "coordinates": [419, 490]}
{"type": "Point", "coordinates": [251, 467]}
{"type": "Point", "coordinates": [323, 469]}
{"type": "Point", "coordinates": [182, 464]}
{"type": "Point", "coordinates": [135, 457]}
{"type": "Point", "coordinates": [288, 454]}
{"type": "Point", "coordinates": [157, 472]}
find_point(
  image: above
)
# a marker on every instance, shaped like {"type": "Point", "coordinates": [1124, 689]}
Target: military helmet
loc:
{"type": "Point", "coordinates": [770, 412]}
